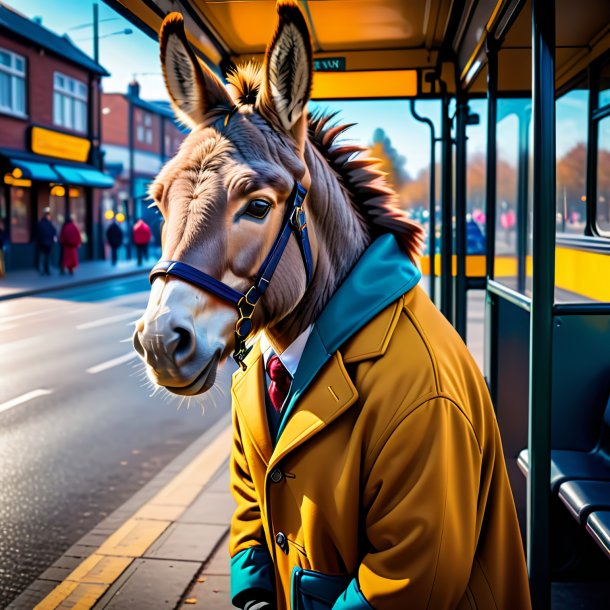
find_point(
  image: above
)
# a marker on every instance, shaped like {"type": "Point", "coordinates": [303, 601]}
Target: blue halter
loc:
{"type": "Point", "coordinates": [295, 223]}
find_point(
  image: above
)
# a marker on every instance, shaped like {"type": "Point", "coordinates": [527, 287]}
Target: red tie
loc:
{"type": "Point", "coordinates": [280, 382]}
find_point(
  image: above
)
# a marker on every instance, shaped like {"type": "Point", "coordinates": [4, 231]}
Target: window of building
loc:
{"type": "Point", "coordinates": [12, 83]}
{"type": "Point", "coordinates": [571, 173]}
{"type": "Point", "coordinates": [603, 176]}
{"type": "Point", "coordinates": [20, 215]}
{"type": "Point", "coordinates": [69, 103]}
{"type": "Point", "coordinates": [78, 210]}
{"type": "Point", "coordinates": [144, 129]}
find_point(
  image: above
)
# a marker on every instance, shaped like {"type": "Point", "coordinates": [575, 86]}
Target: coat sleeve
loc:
{"type": "Point", "coordinates": [420, 501]}
{"type": "Point", "coordinates": [252, 573]}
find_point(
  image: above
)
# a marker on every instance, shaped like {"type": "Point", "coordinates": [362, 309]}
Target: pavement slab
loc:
{"type": "Point", "coordinates": [188, 542]}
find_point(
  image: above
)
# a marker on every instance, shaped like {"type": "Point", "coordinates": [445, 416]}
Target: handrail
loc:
{"type": "Point", "coordinates": [510, 295]}
{"type": "Point", "coordinates": [579, 309]}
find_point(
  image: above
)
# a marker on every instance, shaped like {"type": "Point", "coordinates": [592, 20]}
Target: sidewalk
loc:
{"type": "Point", "coordinates": [166, 547]}
{"type": "Point", "coordinates": [28, 282]}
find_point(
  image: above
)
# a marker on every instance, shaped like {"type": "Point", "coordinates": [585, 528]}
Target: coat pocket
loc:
{"type": "Point", "coordinates": [315, 591]}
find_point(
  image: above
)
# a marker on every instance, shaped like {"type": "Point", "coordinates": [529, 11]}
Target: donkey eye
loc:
{"type": "Point", "coordinates": [257, 208]}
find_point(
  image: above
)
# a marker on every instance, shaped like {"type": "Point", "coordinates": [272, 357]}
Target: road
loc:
{"type": "Point", "coordinates": [79, 430]}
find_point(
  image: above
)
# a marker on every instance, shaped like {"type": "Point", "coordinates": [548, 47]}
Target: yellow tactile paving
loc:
{"type": "Point", "coordinates": [94, 575]}
{"type": "Point", "coordinates": [133, 538]}
{"type": "Point", "coordinates": [98, 569]}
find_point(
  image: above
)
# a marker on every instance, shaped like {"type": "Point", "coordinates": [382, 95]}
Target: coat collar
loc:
{"type": "Point", "coordinates": [360, 319]}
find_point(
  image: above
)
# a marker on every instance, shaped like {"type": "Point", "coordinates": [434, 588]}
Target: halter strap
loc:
{"type": "Point", "coordinates": [295, 222]}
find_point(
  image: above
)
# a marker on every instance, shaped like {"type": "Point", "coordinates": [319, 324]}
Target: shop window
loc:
{"type": "Point", "coordinates": [57, 203]}
{"type": "Point", "coordinates": [571, 174]}
{"type": "Point", "coordinates": [21, 212]}
{"type": "Point", "coordinates": [603, 177]}
{"type": "Point", "coordinates": [78, 209]}
{"type": "Point", "coordinates": [69, 103]}
{"type": "Point", "coordinates": [12, 83]}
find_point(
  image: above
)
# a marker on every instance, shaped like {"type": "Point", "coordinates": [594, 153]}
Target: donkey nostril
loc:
{"type": "Point", "coordinates": [137, 343]}
{"type": "Point", "coordinates": [184, 346]}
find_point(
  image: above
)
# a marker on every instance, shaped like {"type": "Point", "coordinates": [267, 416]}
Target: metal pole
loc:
{"type": "Point", "coordinates": [523, 181]}
{"type": "Point", "coordinates": [491, 322]}
{"type": "Point", "coordinates": [446, 210]}
{"type": "Point", "coordinates": [130, 127]}
{"type": "Point", "coordinates": [432, 199]}
{"type": "Point", "coordinates": [490, 184]}
{"type": "Point", "coordinates": [541, 329]}
{"type": "Point", "coordinates": [460, 216]}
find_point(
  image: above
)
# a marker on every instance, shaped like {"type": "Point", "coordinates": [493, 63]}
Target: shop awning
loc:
{"type": "Point", "coordinates": [34, 170]}
{"type": "Point", "coordinates": [83, 176]}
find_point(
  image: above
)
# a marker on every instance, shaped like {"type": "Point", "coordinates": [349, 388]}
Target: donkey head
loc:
{"type": "Point", "coordinates": [223, 198]}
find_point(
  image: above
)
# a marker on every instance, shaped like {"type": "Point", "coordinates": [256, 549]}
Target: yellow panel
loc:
{"type": "Point", "coordinates": [583, 272]}
{"type": "Point", "coordinates": [364, 84]}
{"type": "Point", "coordinates": [61, 145]}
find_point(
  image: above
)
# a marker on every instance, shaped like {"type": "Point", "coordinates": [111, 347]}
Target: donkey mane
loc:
{"type": "Point", "coordinates": [373, 199]}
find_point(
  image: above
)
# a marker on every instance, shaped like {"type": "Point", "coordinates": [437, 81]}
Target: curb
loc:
{"type": "Point", "coordinates": [75, 284]}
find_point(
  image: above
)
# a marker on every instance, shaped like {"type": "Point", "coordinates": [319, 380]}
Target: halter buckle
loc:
{"type": "Point", "coordinates": [298, 219]}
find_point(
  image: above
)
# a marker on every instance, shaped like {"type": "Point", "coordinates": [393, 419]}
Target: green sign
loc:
{"type": "Point", "coordinates": [329, 64]}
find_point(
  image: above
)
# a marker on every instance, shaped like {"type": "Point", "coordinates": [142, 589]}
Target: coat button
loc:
{"type": "Point", "coordinates": [280, 540]}
{"type": "Point", "coordinates": [276, 475]}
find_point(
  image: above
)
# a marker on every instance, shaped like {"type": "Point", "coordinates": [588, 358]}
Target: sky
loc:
{"type": "Point", "coordinates": [137, 54]}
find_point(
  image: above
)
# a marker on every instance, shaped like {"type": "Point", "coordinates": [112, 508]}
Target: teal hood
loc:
{"type": "Point", "coordinates": [381, 275]}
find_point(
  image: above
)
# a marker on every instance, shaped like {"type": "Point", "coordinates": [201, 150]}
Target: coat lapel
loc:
{"type": "Point", "coordinates": [248, 391]}
{"type": "Point", "coordinates": [330, 395]}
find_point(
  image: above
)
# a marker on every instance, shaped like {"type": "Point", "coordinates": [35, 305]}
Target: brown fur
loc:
{"type": "Point", "coordinates": [201, 190]}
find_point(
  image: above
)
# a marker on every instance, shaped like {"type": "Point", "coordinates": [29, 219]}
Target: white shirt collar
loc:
{"type": "Point", "coordinates": [291, 356]}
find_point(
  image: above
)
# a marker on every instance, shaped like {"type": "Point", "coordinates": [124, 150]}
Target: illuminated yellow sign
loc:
{"type": "Point", "coordinates": [9, 179]}
{"type": "Point", "coordinates": [58, 191]}
{"type": "Point", "coordinates": [364, 84]}
{"type": "Point", "coordinates": [61, 145]}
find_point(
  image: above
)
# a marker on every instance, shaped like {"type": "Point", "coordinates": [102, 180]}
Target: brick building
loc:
{"type": "Point", "coordinates": [49, 135]}
{"type": "Point", "coordinates": [138, 137]}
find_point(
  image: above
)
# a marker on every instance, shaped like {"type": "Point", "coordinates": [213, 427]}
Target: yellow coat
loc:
{"type": "Point", "coordinates": [387, 487]}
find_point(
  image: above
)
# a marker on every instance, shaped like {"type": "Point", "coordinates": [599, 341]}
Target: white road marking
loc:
{"type": "Point", "coordinates": [20, 343]}
{"type": "Point", "coordinates": [134, 315]}
{"type": "Point", "coordinates": [19, 400]}
{"type": "Point", "coordinates": [29, 314]}
{"type": "Point", "coordinates": [98, 368]}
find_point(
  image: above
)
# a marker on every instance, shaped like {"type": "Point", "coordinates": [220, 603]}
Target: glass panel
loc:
{"type": "Point", "coordinates": [511, 172]}
{"type": "Point", "coordinates": [67, 112]}
{"type": "Point", "coordinates": [59, 81]}
{"type": "Point", "coordinates": [20, 215]}
{"type": "Point", "coordinates": [571, 141]}
{"type": "Point", "coordinates": [57, 109]}
{"type": "Point", "coordinates": [19, 84]}
{"type": "Point", "coordinates": [82, 90]}
{"type": "Point", "coordinates": [6, 95]}
{"type": "Point", "coordinates": [604, 86]}
{"type": "Point", "coordinates": [603, 176]}
{"type": "Point", "coordinates": [5, 58]}
{"type": "Point", "coordinates": [19, 63]}
{"type": "Point", "coordinates": [80, 118]}
{"type": "Point", "coordinates": [475, 180]}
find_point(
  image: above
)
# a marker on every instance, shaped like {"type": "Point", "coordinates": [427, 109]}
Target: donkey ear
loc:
{"type": "Point", "coordinates": [193, 89]}
{"type": "Point", "coordinates": [288, 67]}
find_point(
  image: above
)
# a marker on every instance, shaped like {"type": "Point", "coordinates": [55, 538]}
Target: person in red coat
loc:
{"type": "Point", "coordinates": [70, 239]}
{"type": "Point", "coordinates": [141, 237]}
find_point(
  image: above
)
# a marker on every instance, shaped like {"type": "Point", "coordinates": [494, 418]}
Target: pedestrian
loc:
{"type": "Point", "coordinates": [70, 239]}
{"type": "Point", "coordinates": [46, 236]}
{"type": "Point", "coordinates": [114, 236]}
{"type": "Point", "coordinates": [2, 242]}
{"type": "Point", "coordinates": [141, 238]}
